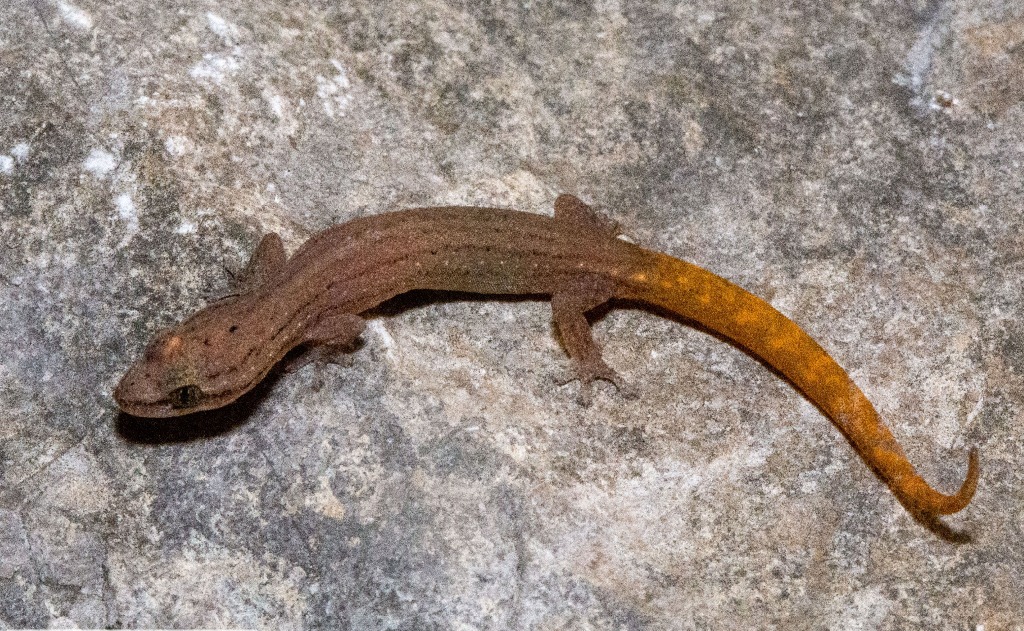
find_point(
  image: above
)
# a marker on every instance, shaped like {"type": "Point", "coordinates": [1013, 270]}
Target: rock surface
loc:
{"type": "Point", "coordinates": [857, 164]}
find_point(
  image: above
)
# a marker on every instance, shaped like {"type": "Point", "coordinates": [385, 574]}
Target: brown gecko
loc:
{"type": "Point", "coordinates": [315, 299]}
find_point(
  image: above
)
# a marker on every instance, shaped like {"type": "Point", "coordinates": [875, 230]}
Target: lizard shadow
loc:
{"type": "Point", "coordinates": [208, 424]}
{"type": "Point", "coordinates": [419, 298]}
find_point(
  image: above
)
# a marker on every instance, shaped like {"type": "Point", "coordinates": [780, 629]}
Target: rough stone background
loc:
{"type": "Point", "coordinates": [856, 163]}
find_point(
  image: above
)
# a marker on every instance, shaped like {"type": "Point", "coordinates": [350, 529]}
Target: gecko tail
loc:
{"type": "Point", "coordinates": [751, 323]}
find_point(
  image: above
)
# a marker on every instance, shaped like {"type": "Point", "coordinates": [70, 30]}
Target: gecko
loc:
{"type": "Point", "coordinates": [317, 298]}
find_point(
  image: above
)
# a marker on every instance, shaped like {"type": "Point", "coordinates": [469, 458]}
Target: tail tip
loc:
{"type": "Point", "coordinates": [964, 496]}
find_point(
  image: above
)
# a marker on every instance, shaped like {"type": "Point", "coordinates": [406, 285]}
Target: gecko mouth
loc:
{"type": "Point", "coordinates": [132, 398]}
{"type": "Point", "coordinates": [180, 402]}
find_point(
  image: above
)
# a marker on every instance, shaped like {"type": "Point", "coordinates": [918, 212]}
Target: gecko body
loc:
{"type": "Point", "coordinates": [315, 299]}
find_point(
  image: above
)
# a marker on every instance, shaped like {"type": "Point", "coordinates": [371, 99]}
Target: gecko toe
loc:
{"type": "Point", "coordinates": [587, 373]}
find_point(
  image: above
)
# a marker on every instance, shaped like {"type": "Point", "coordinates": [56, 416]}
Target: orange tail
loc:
{"type": "Point", "coordinates": [752, 323]}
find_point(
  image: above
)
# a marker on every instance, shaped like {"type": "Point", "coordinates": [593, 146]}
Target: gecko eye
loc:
{"type": "Point", "coordinates": [185, 397]}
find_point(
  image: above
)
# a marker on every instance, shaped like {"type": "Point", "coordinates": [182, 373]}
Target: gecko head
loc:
{"type": "Point", "coordinates": [166, 381]}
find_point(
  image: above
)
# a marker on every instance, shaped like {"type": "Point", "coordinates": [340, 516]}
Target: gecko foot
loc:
{"type": "Point", "coordinates": [590, 372]}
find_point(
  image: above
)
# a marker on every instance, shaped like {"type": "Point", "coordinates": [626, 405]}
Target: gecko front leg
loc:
{"type": "Point", "coordinates": [331, 335]}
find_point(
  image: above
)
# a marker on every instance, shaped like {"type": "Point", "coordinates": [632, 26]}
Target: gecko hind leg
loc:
{"type": "Point", "coordinates": [569, 308]}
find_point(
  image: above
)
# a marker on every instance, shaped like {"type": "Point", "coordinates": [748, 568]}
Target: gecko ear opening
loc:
{"type": "Point", "coordinates": [186, 397]}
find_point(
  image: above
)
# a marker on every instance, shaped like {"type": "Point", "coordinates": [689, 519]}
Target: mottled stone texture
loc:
{"type": "Point", "coordinates": [856, 163]}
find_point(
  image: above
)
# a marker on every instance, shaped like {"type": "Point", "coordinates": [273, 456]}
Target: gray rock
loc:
{"type": "Point", "coordinates": [856, 164]}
